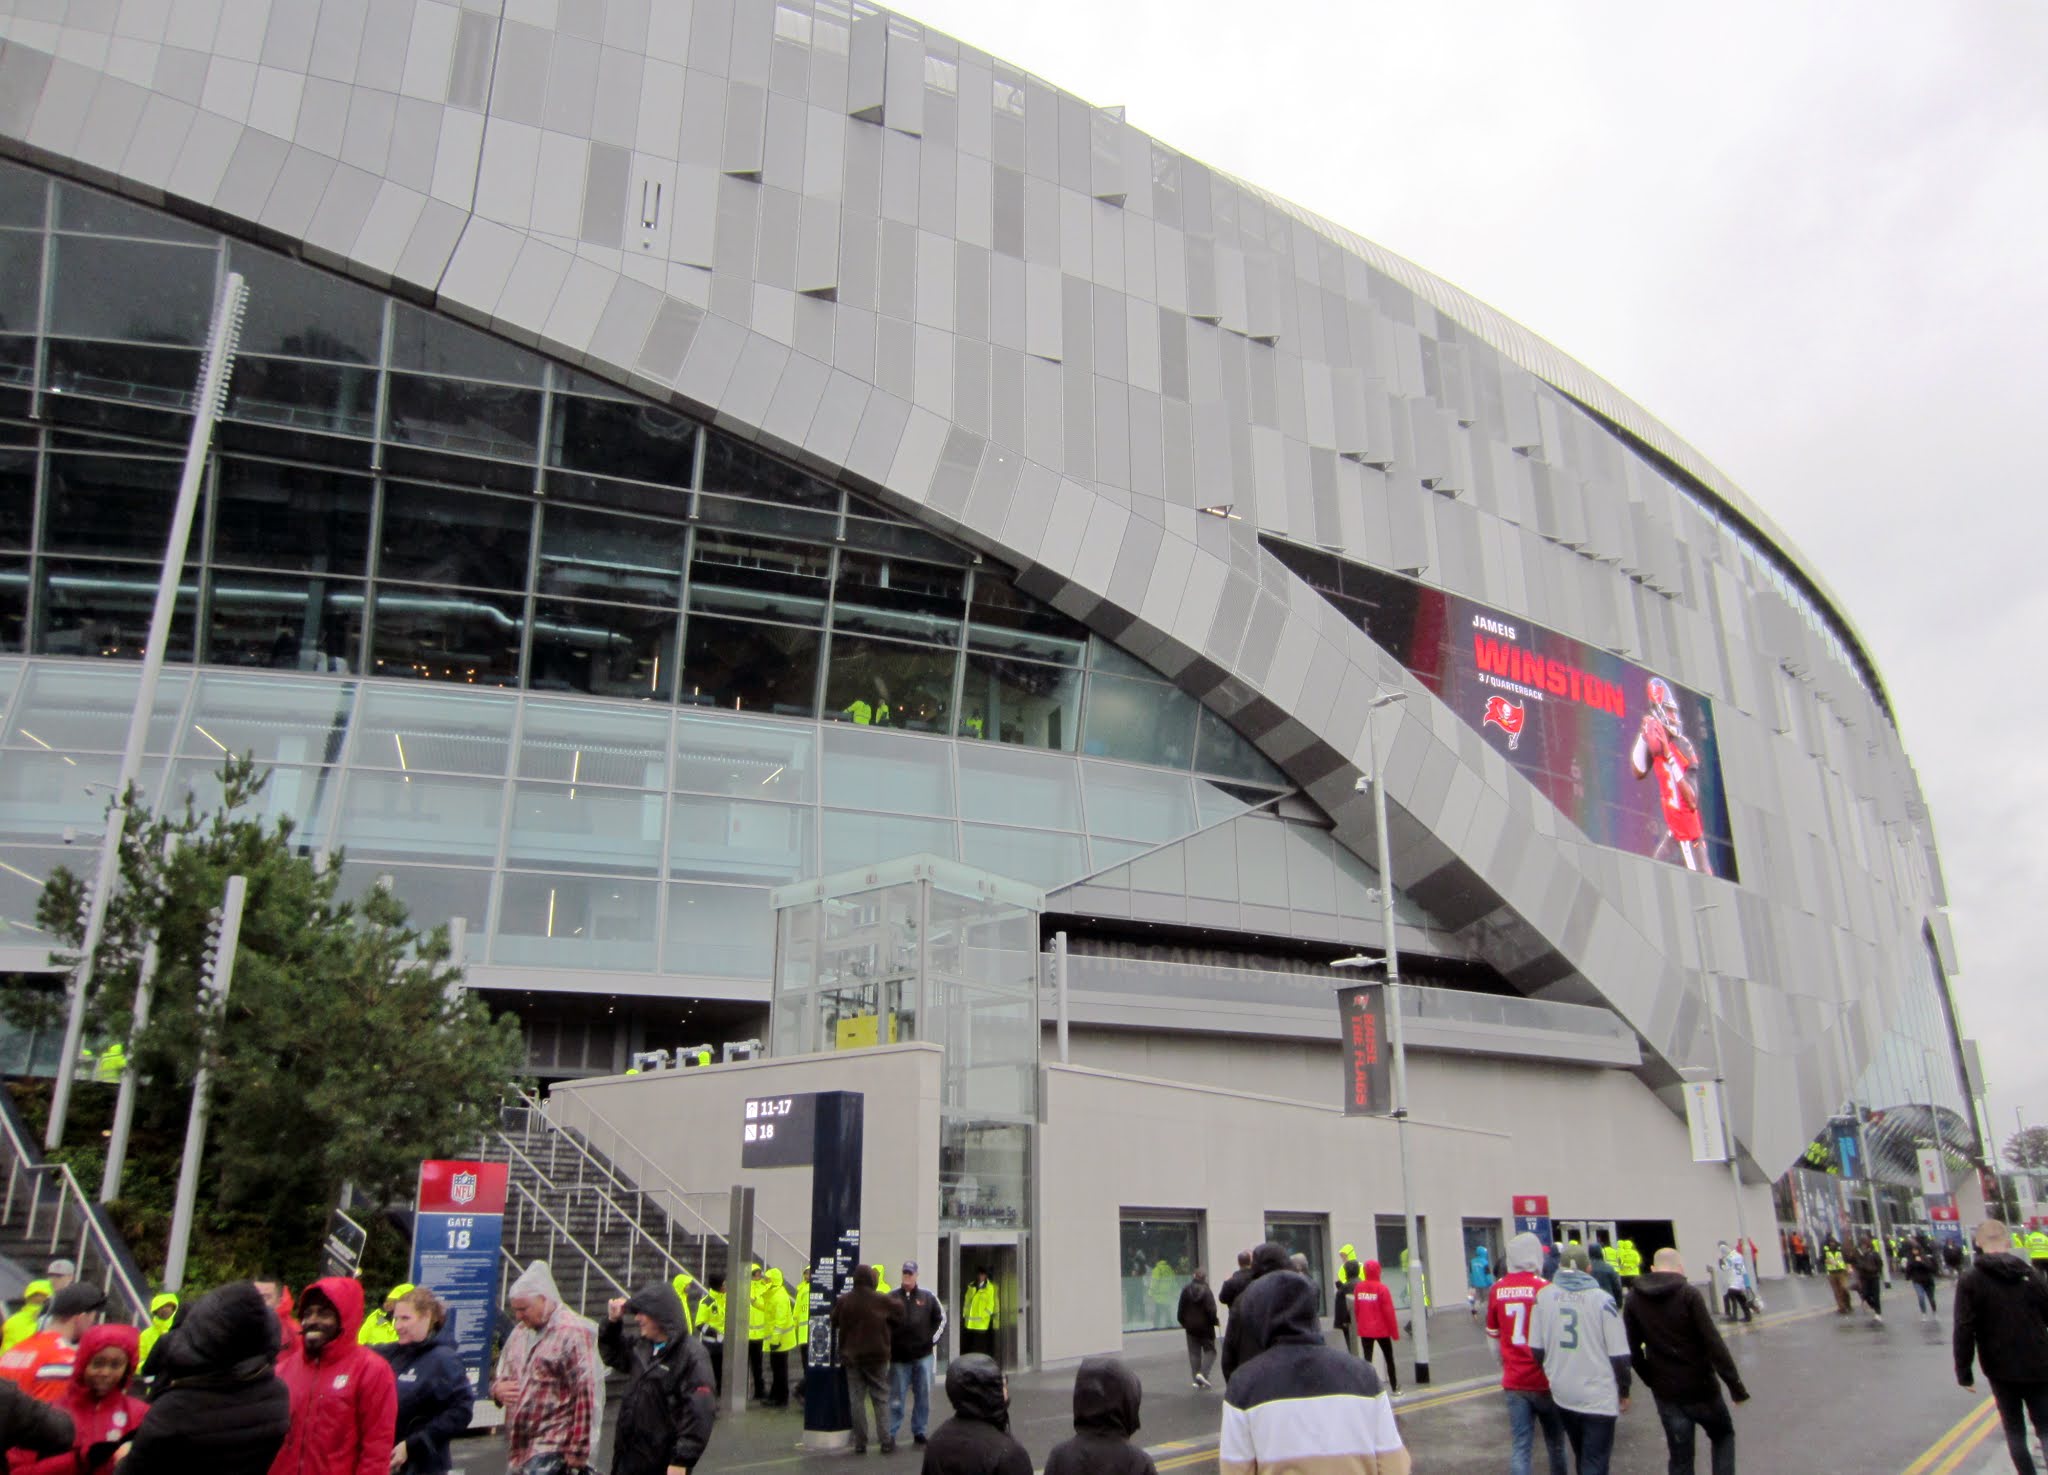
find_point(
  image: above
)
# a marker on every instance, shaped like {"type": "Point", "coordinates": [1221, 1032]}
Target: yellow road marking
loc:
{"type": "Point", "coordinates": [1962, 1427]}
{"type": "Point", "coordinates": [1964, 1450]}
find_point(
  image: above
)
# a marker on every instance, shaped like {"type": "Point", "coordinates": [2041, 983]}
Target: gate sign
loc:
{"type": "Point", "coordinates": [1532, 1215]}
{"type": "Point", "coordinates": [456, 1233]}
{"type": "Point", "coordinates": [1368, 1065]}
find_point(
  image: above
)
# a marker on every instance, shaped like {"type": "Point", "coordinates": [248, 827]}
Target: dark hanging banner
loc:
{"type": "Point", "coordinates": [1368, 1063]}
{"type": "Point", "coordinates": [834, 1121]}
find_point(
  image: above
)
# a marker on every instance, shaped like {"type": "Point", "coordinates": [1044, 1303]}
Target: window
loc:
{"type": "Point", "coordinates": [440, 536]}
{"type": "Point", "coordinates": [110, 505]}
{"type": "Point", "coordinates": [610, 650]}
{"type": "Point", "coordinates": [310, 623]}
{"type": "Point", "coordinates": [1158, 1253]}
{"type": "Point", "coordinates": [277, 517]}
{"type": "Point", "coordinates": [1026, 703]}
{"type": "Point", "coordinates": [1139, 721]}
{"type": "Point", "coordinates": [637, 441]}
{"type": "Point", "coordinates": [103, 609]}
{"type": "Point", "coordinates": [1307, 1235]}
{"type": "Point", "coordinates": [463, 415]}
{"type": "Point", "coordinates": [434, 634]}
{"type": "Point", "coordinates": [595, 555]}
{"type": "Point", "coordinates": [749, 666]}
{"type": "Point", "coordinates": [300, 312]}
{"type": "Point", "coordinates": [133, 291]}
{"type": "Point", "coordinates": [890, 683]}
{"type": "Point", "coordinates": [759, 578]}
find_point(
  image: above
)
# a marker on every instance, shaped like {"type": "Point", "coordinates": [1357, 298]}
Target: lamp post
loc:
{"type": "Point", "coordinates": [1884, 1248]}
{"type": "Point", "coordinates": [1374, 780]}
{"type": "Point", "coordinates": [1712, 981]}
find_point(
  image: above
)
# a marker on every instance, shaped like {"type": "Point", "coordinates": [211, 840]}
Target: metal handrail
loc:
{"type": "Point", "coordinates": [562, 1233]}
{"type": "Point", "coordinates": [798, 1255]}
{"type": "Point", "coordinates": [92, 1233]}
{"type": "Point", "coordinates": [631, 1221]}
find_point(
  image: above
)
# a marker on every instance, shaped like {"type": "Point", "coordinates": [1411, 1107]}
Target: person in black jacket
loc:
{"type": "Point", "coordinates": [864, 1319]}
{"type": "Point", "coordinates": [2002, 1322]}
{"type": "Point", "coordinates": [1675, 1348]}
{"type": "Point", "coordinates": [1197, 1317]}
{"type": "Point", "coordinates": [1235, 1282]}
{"type": "Point", "coordinates": [665, 1415]}
{"type": "Point", "coordinates": [435, 1399]}
{"type": "Point", "coordinates": [1921, 1269]}
{"type": "Point", "coordinates": [219, 1407]}
{"type": "Point", "coordinates": [976, 1440]}
{"type": "Point", "coordinates": [1869, 1267]}
{"type": "Point", "coordinates": [1106, 1395]}
{"type": "Point", "coordinates": [26, 1423]}
{"type": "Point", "coordinates": [1239, 1345]}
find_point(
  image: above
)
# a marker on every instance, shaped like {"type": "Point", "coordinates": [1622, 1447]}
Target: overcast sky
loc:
{"type": "Point", "coordinates": [1811, 238]}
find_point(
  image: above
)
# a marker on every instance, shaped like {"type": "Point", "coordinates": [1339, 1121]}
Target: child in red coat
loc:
{"type": "Point", "coordinates": [1379, 1324]}
{"type": "Point", "coordinates": [97, 1398]}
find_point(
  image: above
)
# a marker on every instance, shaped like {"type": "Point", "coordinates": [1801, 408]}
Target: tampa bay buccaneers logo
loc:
{"type": "Point", "coordinates": [1507, 716]}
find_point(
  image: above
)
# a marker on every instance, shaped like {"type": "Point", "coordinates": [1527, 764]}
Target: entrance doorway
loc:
{"type": "Point", "coordinates": [1588, 1232]}
{"type": "Point", "coordinates": [1003, 1260]}
{"type": "Point", "coordinates": [1484, 1234]}
{"type": "Point", "coordinates": [1648, 1236]}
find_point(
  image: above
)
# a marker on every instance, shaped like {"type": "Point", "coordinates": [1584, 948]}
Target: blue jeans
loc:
{"type": "Point", "coordinates": [1592, 1439]}
{"type": "Point", "coordinates": [1525, 1412]}
{"type": "Point", "coordinates": [906, 1378]}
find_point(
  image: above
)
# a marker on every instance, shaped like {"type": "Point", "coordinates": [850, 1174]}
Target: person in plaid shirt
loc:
{"type": "Point", "coordinates": [547, 1380]}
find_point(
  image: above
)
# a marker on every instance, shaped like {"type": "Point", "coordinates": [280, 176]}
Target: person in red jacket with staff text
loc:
{"type": "Point", "coordinates": [103, 1411]}
{"type": "Point", "coordinates": [1379, 1323]}
{"type": "Point", "coordinates": [344, 1400]}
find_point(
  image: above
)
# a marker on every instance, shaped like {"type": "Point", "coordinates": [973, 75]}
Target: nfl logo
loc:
{"type": "Point", "coordinates": [463, 1189]}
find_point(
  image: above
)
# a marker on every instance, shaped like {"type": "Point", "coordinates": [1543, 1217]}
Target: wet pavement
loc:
{"type": "Point", "coordinates": [1830, 1395]}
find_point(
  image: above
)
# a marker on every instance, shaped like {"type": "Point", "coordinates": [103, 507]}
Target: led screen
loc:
{"type": "Point", "coordinates": [1629, 755]}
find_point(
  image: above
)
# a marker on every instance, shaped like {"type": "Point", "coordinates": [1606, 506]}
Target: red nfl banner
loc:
{"type": "Point", "coordinates": [462, 1188]}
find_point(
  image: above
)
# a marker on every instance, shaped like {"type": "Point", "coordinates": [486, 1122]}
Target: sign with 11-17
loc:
{"type": "Point", "coordinates": [456, 1233]}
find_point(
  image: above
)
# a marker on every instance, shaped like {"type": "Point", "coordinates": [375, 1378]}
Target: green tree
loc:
{"type": "Point", "coordinates": [347, 1052]}
{"type": "Point", "coordinates": [2028, 1148]}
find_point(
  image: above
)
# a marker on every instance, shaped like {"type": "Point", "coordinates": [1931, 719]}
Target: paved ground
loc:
{"type": "Point", "coordinates": [1832, 1395]}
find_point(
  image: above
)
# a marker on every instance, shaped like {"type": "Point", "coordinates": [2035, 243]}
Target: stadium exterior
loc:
{"type": "Point", "coordinates": [680, 452]}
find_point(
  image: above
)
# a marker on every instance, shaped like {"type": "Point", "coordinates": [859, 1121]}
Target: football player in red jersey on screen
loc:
{"type": "Point", "coordinates": [1662, 748]}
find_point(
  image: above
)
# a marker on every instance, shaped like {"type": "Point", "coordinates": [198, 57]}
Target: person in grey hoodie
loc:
{"type": "Point", "coordinates": [1576, 1337]}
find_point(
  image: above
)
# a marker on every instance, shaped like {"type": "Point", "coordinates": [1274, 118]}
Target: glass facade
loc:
{"type": "Point", "coordinates": [555, 659]}
{"type": "Point", "coordinates": [1158, 1253]}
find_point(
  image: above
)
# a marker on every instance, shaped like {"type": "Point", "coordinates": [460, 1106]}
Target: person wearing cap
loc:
{"type": "Point", "coordinates": [378, 1327]}
{"type": "Point", "coordinates": [344, 1397]}
{"type": "Point", "coordinates": [547, 1380]}
{"type": "Point", "coordinates": [913, 1355]}
{"type": "Point", "coordinates": [61, 1273]}
{"type": "Point", "coordinates": [23, 1324]}
{"type": "Point", "coordinates": [41, 1365]}
{"type": "Point", "coordinates": [666, 1413]}
{"type": "Point", "coordinates": [1576, 1337]}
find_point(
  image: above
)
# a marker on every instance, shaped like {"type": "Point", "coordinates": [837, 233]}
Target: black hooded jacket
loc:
{"type": "Point", "coordinates": [665, 1415]}
{"type": "Point", "coordinates": [26, 1423]}
{"type": "Point", "coordinates": [1673, 1344]}
{"type": "Point", "coordinates": [435, 1399]}
{"type": "Point", "coordinates": [2002, 1321]}
{"type": "Point", "coordinates": [1238, 1347]}
{"type": "Point", "coordinates": [976, 1440]}
{"type": "Point", "coordinates": [1106, 1395]}
{"type": "Point", "coordinates": [219, 1407]}
{"type": "Point", "coordinates": [1288, 1357]}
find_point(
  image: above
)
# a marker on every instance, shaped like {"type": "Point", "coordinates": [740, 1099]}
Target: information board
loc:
{"type": "Point", "coordinates": [1532, 1215]}
{"type": "Point", "coordinates": [1368, 1065]}
{"type": "Point", "coordinates": [778, 1131]}
{"type": "Point", "coordinates": [457, 1229]}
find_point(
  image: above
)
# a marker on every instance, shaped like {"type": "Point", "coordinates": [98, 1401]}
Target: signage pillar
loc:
{"type": "Point", "coordinates": [739, 1258]}
{"type": "Point", "coordinates": [455, 1238]}
{"type": "Point", "coordinates": [837, 1138]}
{"type": "Point", "coordinates": [1532, 1216]}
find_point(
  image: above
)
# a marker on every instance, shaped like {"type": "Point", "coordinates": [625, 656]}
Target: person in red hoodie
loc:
{"type": "Point", "coordinates": [344, 1401]}
{"type": "Point", "coordinates": [102, 1409]}
{"type": "Point", "coordinates": [1379, 1324]}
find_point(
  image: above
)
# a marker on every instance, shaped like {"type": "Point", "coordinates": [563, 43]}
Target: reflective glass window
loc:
{"type": "Point", "coordinates": [1015, 788]}
{"type": "Point", "coordinates": [21, 889]}
{"type": "Point", "coordinates": [723, 839]}
{"type": "Point", "coordinates": [299, 311]}
{"type": "Point", "coordinates": [440, 345]}
{"type": "Point", "coordinates": [637, 441]}
{"type": "Point", "coordinates": [576, 921]}
{"type": "Point", "coordinates": [751, 667]}
{"type": "Point", "coordinates": [21, 281]}
{"type": "Point", "coordinates": [94, 608]}
{"type": "Point", "coordinates": [272, 516]}
{"type": "Point", "coordinates": [1221, 749]}
{"type": "Point", "coordinates": [420, 816]}
{"type": "Point", "coordinates": [1039, 857]}
{"type": "Point", "coordinates": [140, 375]}
{"type": "Point", "coordinates": [289, 792]}
{"type": "Point", "coordinates": [17, 367]}
{"type": "Point", "coordinates": [23, 195]}
{"type": "Point", "coordinates": [753, 760]}
{"type": "Point", "coordinates": [851, 839]}
{"type": "Point", "coordinates": [897, 539]}
{"type": "Point", "coordinates": [1137, 803]}
{"type": "Point", "coordinates": [278, 721]}
{"type": "Point", "coordinates": [433, 896]}
{"type": "Point", "coordinates": [17, 498]}
{"type": "Point", "coordinates": [1105, 656]}
{"type": "Point", "coordinates": [890, 683]}
{"type": "Point", "coordinates": [595, 555]}
{"type": "Point", "coordinates": [74, 709]}
{"type": "Point", "coordinates": [884, 770]}
{"type": "Point", "coordinates": [1139, 722]}
{"type": "Point", "coordinates": [1006, 620]}
{"type": "Point", "coordinates": [773, 519]}
{"type": "Point", "coordinates": [735, 469]}
{"type": "Point", "coordinates": [14, 602]}
{"type": "Point", "coordinates": [82, 209]}
{"type": "Point", "coordinates": [43, 793]}
{"type": "Point", "coordinates": [436, 634]}
{"type": "Point", "coordinates": [585, 827]}
{"type": "Point", "coordinates": [591, 743]}
{"type": "Point", "coordinates": [440, 536]}
{"type": "Point", "coordinates": [1022, 702]}
{"type": "Point", "coordinates": [307, 623]}
{"type": "Point", "coordinates": [463, 415]}
{"type": "Point", "coordinates": [899, 597]}
{"type": "Point", "coordinates": [109, 505]}
{"type": "Point", "coordinates": [441, 731]}
{"type": "Point", "coordinates": [759, 578]}
{"type": "Point", "coordinates": [325, 399]}
{"type": "Point", "coordinates": [609, 650]}
{"type": "Point", "coordinates": [1215, 802]}
{"type": "Point", "coordinates": [134, 291]}
{"type": "Point", "coordinates": [719, 932]}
